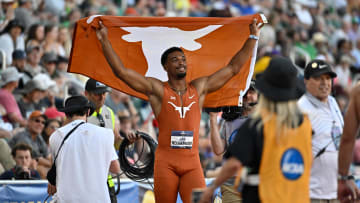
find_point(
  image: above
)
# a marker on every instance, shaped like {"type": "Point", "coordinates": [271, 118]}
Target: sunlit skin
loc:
{"type": "Point", "coordinates": [97, 99]}
{"type": "Point", "coordinates": [36, 127]}
{"type": "Point", "coordinates": [52, 126]}
{"type": "Point", "coordinates": [36, 95]}
{"type": "Point", "coordinates": [50, 67]}
{"type": "Point", "coordinates": [251, 96]}
{"type": "Point", "coordinates": [319, 86]}
{"type": "Point", "coordinates": [249, 101]}
{"type": "Point", "coordinates": [34, 57]}
{"type": "Point", "coordinates": [23, 158]}
{"type": "Point", "coordinates": [176, 65]}
{"type": "Point", "coordinates": [40, 33]}
{"type": "Point", "coordinates": [19, 64]}
{"type": "Point", "coordinates": [15, 32]}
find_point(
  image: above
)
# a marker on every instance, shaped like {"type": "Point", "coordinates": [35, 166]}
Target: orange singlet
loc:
{"type": "Point", "coordinates": [177, 162]}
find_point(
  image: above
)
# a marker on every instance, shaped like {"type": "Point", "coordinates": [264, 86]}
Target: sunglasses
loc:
{"type": "Point", "coordinates": [53, 127]}
{"type": "Point", "coordinates": [39, 121]}
{"type": "Point", "coordinates": [101, 120]}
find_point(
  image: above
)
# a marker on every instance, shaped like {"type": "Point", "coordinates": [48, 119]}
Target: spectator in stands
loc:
{"type": "Point", "coordinates": [327, 125]}
{"type": "Point", "coordinates": [52, 97]}
{"type": "Point", "coordinates": [33, 93]}
{"type": "Point", "coordinates": [32, 136]}
{"type": "Point", "coordinates": [22, 171]}
{"type": "Point", "coordinates": [35, 35]}
{"type": "Point", "coordinates": [24, 13]}
{"type": "Point", "coordinates": [6, 13]}
{"type": "Point", "coordinates": [50, 43]}
{"type": "Point", "coordinates": [19, 61]}
{"type": "Point", "coordinates": [9, 81]}
{"type": "Point", "coordinates": [50, 126]}
{"type": "Point", "coordinates": [64, 39]}
{"type": "Point", "coordinates": [53, 113]}
{"type": "Point", "coordinates": [33, 60]}
{"type": "Point", "coordinates": [48, 60]}
{"type": "Point", "coordinates": [11, 38]}
{"type": "Point", "coordinates": [119, 101]}
{"type": "Point", "coordinates": [343, 73]}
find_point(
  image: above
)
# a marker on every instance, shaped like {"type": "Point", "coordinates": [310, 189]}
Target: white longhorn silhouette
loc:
{"type": "Point", "coordinates": [181, 109]}
{"type": "Point", "coordinates": [155, 40]}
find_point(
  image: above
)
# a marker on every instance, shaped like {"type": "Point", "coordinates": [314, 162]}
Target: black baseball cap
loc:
{"type": "Point", "coordinates": [96, 87]}
{"type": "Point", "coordinates": [318, 67]}
{"type": "Point", "coordinates": [18, 54]}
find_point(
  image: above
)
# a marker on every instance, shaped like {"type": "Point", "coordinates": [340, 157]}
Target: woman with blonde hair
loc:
{"type": "Point", "coordinates": [272, 149]}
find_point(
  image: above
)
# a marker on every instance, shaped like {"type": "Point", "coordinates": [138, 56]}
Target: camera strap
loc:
{"type": "Point", "coordinates": [66, 137]}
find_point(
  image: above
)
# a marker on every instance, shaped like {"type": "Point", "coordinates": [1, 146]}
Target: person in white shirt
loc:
{"type": "Point", "coordinates": [327, 124]}
{"type": "Point", "coordinates": [85, 158]}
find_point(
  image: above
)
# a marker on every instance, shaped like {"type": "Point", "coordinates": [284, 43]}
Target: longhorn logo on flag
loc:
{"type": "Point", "coordinates": [208, 44]}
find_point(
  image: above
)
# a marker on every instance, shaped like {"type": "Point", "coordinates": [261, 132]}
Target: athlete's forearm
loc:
{"type": "Point", "coordinates": [345, 154]}
{"type": "Point", "coordinates": [112, 58]}
{"type": "Point", "coordinates": [228, 170]}
{"type": "Point", "coordinates": [216, 141]}
{"type": "Point", "coordinates": [240, 58]}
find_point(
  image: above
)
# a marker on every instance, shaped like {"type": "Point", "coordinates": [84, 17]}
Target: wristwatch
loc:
{"type": "Point", "coordinates": [345, 177]}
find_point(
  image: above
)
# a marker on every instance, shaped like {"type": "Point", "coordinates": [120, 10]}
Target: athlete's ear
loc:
{"type": "Point", "coordinates": [165, 67]}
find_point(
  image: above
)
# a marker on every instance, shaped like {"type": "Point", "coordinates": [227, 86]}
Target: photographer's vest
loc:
{"type": "Point", "coordinates": [286, 163]}
{"type": "Point", "coordinates": [108, 116]}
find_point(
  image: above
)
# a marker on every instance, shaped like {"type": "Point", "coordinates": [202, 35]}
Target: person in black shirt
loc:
{"type": "Point", "coordinates": [277, 119]}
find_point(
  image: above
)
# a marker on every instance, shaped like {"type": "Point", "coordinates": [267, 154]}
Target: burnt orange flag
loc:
{"type": "Point", "coordinates": [208, 44]}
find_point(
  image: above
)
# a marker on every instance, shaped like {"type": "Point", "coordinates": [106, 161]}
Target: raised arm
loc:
{"type": "Point", "coordinates": [217, 143]}
{"type": "Point", "coordinates": [218, 79]}
{"type": "Point", "coordinates": [138, 82]}
{"type": "Point", "coordinates": [351, 126]}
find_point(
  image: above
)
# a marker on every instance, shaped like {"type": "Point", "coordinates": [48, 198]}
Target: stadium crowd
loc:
{"type": "Point", "coordinates": [35, 45]}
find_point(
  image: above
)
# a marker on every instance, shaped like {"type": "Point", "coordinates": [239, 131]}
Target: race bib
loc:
{"type": "Point", "coordinates": [182, 139]}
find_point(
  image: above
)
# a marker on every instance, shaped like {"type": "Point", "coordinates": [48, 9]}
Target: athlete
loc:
{"type": "Point", "coordinates": [177, 107]}
{"type": "Point", "coordinates": [347, 189]}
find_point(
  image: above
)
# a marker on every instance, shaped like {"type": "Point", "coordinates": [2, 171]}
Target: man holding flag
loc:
{"type": "Point", "coordinates": [177, 106]}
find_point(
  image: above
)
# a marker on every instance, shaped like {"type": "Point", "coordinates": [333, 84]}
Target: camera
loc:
{"type": "Point", "coordinates": [20, 174]}
{"type": "Point", "coordinates": [196, 195]}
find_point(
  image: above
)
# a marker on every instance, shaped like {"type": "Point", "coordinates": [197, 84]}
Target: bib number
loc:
{"type": "Point", "coordinates": [182, 139]}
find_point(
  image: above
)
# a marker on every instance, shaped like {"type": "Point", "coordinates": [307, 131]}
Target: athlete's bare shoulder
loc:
{"type": "Point", "coordinates": [157, 87]}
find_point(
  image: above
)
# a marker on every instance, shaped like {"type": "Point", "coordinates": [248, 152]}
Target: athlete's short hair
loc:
{"type": "Point", "coordinates": [166, 53]}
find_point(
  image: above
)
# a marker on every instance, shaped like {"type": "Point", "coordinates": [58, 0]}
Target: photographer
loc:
{"type": "Point", "coordinates": [233, 119]}
{"type": "Point", "coordinates": [22, 156]}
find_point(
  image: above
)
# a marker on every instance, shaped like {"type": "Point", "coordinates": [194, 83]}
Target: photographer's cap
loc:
{"type": "Point", "coordinates": [318, 67]}
{"type": "Point", "coordinates": [96, 87]}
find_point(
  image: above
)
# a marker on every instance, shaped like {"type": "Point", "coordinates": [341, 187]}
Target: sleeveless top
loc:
{"type": "Point", "coordinates": [178, 119]}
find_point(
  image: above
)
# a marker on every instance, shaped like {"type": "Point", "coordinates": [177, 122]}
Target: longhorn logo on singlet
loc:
{"type": "Point", "coordinates": [182, 109]}
{"type": "Point", "coordinates": [292, 164]}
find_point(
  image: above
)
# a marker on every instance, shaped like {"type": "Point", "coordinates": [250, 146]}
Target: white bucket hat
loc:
{"type": "Point", "coordinates": [10, 74]}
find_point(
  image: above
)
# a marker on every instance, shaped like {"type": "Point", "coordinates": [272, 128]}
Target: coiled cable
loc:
{"type": "Point", "coordinates": [138, 171]}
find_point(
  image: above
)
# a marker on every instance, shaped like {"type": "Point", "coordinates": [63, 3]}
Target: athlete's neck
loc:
{"type": "Point", "coordinates": [179, 86]}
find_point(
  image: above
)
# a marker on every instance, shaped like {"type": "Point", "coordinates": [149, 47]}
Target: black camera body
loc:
{"type": "Point", "coordinates": [20, 174]}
